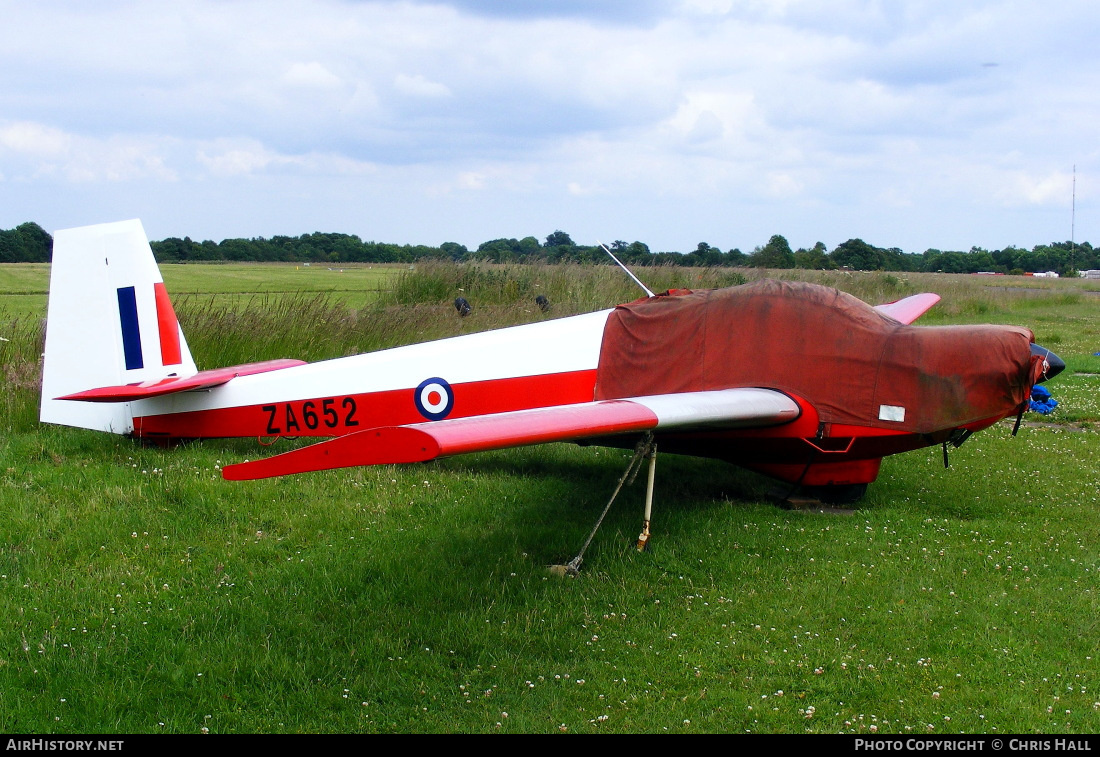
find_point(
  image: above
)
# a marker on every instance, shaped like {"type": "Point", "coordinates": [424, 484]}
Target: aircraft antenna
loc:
{"type": "Point", "coordinates": [628, 271]}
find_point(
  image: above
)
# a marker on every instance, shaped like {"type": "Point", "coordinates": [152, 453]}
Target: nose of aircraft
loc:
{"type": "Point", "coordinates": [1054, 364]}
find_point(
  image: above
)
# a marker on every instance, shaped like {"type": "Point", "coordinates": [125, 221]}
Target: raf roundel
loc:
{"type": "Point", "coordinates": [434, 399]}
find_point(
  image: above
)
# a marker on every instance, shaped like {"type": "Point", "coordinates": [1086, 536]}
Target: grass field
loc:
{"type": "Point", "coordinates": [142, 593]}
{"type": "Point", "coordinates": [24, 286]}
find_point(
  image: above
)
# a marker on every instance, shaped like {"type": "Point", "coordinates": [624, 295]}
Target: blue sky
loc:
{"type": "Point", "coordinates": [936, 124]}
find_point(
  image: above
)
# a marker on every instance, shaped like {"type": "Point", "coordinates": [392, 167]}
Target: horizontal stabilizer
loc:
{"type": "Point", "coordinates": [172, 384]}
{"type": "Point", "coordinates": [909, 309]}
{"type": "Point", "coordinates": [729, 408]}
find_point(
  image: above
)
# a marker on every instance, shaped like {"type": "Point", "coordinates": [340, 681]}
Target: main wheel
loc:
{"type": "Point", "coordinates": [839, 494]}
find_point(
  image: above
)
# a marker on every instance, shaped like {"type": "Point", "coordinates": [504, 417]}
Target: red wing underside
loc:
{"type": "Point", "coordinates": [171, 385]}
{"type": "Point", "coordinates": [729, 408]}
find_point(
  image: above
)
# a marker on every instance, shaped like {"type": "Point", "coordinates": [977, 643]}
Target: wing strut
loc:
{"type": "Point", "coordinates": [646, 448]}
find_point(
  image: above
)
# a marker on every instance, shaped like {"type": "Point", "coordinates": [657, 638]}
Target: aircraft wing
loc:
{"type": "Point", "coordinates": [418, 442]}
{"type": "Point", "coordinates": [909, 309]}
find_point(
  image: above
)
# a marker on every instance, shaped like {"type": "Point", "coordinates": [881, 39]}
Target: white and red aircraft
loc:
{"type": "Point", "coordinates": [801, 382]}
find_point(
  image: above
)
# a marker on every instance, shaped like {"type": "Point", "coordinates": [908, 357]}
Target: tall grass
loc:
{"type": "Point", "coordinates": [318, 325]}
{"type": "Point", "coordinates": [310, 326]}
{"type": "Point", "coordinates": [570, 288]}
{"type": "Point", "coordinates": [21, 342]}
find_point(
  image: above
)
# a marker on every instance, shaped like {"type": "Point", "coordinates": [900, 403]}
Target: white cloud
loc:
{"type": "Point", "coordinates": [1023, 188]}
{"type": "Point", "coordinates": [705, 116]}
{"type": "Point", "coordinates": [418, 86]}
{"type": "Point", "coordinates": [783, 185]}
{"type": "Point", "coordinates": [36, 151]}
{"type": "Point", "coordinates": [707, 128]}
{"type": "Point", "coordinates": [708, 7]}
{"type": "Point", "coordinates": [237, 160]}
{"type": "Point", "coordinates": [229, 158]}
{"type": "Point", "coordinates": [29, 138]}
{"type": "Point", "coordinates": [471, 180]}
{"type": "Point", "coordinates": [312, 75]}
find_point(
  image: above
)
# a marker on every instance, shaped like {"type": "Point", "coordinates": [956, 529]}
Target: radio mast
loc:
{"type": "Point", "coordinates": [1073, 222]}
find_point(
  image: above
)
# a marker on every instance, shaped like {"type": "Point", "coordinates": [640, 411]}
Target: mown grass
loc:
{"type": "Point", "coordinates": [24, 286]}
{"type": "Point", "coordinates": [142, 593]}
{"type": "Point", "coordinates": [239, 284]}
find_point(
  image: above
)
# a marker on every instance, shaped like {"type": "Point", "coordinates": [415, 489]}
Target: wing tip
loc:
{"type": "Point", "coordinates": [385, 445]}
{"type": "Point", "coordinates": [909, 309]}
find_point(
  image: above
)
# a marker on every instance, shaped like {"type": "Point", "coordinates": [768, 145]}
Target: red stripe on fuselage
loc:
{"type": "Point", "coordinates": [342, 414]}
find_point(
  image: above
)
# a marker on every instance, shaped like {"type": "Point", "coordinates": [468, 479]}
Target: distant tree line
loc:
{"type": "Point", "coordinates": [30, 243]}
{"type": "Point", "coordinates": [26, 243]}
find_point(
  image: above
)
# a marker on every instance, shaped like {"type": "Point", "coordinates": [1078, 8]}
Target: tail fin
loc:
{"type": "Point", "coordinates": [110, 322]}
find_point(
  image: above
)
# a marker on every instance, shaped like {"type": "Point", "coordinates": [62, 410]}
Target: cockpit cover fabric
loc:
{"type": "Point", "coordinates": [821, 344]}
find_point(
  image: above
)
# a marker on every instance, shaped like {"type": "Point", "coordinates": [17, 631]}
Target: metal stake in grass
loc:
{"type": "Point", "coordinates": [646, 447]}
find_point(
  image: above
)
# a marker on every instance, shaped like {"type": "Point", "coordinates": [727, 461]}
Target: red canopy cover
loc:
{"type": "Point", "coordinates": [854, 364]}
